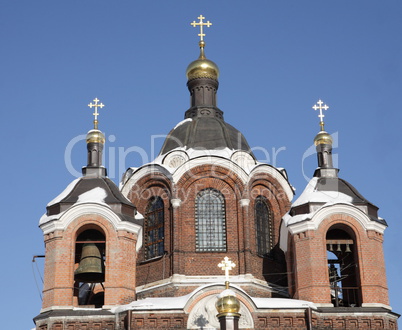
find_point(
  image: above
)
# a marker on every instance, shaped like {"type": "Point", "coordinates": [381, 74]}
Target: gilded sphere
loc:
{"type": "Point", "coordinates": [227, 304]}
{"type": "Point", "coordinates": [202, 68]}
{"type": "Point", "coordinates": [323, 138]}
{"type": "Point", "coordinates": [95, 136]}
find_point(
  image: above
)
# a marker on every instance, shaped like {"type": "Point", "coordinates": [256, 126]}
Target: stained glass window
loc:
{"type": "Point", "coordinates": [210, 221]}
{"type": "Point", "coordinates": [154, 228]}
{"type": "Point", "coordinates": [263, 224]}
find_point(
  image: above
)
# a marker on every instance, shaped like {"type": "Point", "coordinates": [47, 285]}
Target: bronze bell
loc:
{"type": "Point", "coordinates": [91, 268]}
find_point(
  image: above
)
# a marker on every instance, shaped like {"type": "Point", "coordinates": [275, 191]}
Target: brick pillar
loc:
{"type": "Point", "coordinates": [373, 276]}
{"type": "Point", "coordinates": [120, 269]}
{"type": "Point", "coordinates": [58, 280]}
{"type": "Point", "coordinates": [311, 271]}
{"type": "Point", "coordinates": [175, 233]}
{"type": "Point", "coordinates": [244, 203]}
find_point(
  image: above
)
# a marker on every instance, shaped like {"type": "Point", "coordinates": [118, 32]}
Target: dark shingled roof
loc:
{"type": "Point", "coordinates": [206, 133]}
{"type": "Point", "coordinates": [114, 198]}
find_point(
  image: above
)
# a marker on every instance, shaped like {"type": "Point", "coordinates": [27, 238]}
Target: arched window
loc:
{"type": "Point", "coordinates": [263, 226]}
{"type": "Point", "coordinates": [342, 268]}
{"type": "Point", "coordinates": [89, 273]}
{"type": "Point", "coordinates": [210, 223]}
{"type": "Point", "coordinates": [154, 234]}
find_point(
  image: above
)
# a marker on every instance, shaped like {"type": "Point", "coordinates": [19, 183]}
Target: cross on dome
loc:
{"type": "Point", "coordinates": [201, 23]}
{"type": "Point", "coordinates": [96, 113]}
{"type": "Point", "coordinates": [226, 264]}
{"type": "Point", "coordinates": [319, 106]}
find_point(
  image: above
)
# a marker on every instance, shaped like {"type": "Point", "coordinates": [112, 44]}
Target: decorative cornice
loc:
{"type": "Point", "coordinates": [91, 209]}
{"type": "Point", "coordinates": [326, 211]}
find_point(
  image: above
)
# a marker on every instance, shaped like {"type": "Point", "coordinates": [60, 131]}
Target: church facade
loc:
{"type": "Point", "coordinates": [146, 255]}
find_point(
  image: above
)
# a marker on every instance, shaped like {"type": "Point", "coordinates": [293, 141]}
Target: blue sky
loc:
{"type": "Point", "coordinates": [276, 58]}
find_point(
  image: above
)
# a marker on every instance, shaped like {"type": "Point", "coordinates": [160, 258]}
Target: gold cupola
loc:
{"type": "Point", "coordinates": [227, 303]}
{"type": "Point", "coordinates": [202, 67]}
{"type": "Point", "coordinates": [95, 136]}
{"type": "Point", "coordinates": [323, 138]}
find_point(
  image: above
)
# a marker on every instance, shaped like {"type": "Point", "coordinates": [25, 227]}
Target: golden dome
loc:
{"type": "Point", "coordinates": [202, 67]}
{"type": "Point", "coordinates": [95, 136]}
{"type": "Point", "coordinates": [227, 303]}
{"type": "Point", "coordinates": [323, 138]}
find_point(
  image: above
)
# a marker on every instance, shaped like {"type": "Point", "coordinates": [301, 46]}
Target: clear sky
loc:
{"type": "Point", "coordinates": [276, 57]}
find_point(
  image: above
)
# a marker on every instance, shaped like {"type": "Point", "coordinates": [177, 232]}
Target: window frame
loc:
{"type": "Point", "coordinates": [263, 227]}
{"type": "Point", "coordinates": [154, 234]}
{"type": "Point", "coordinates": [210, 221]}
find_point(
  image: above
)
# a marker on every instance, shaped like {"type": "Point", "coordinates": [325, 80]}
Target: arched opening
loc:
{"type": "Point", "coordinates": [89, 273]}
{"type": "Point", "coordinates": [210, 221]}
{"type": "Point", "coordinates": [263, 226]}
{"type": "Point", "coordinates": [154, 233]}
{"type": "Point", "coordinates": [343, 267]}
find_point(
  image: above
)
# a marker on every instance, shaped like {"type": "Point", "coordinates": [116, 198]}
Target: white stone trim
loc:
{"type": "Point", "coordinates": [141, 172]}
{"type": "Point", "coordinates": [377, 305]}
{"type": "Point", "coordinates": [244, 202]}
{"type": "Point", "coordinates": [92, 208]}
{"type": "Point", "coordinates": [176, 202]}
{"type": "Point", "coordinates": [276, 174]}
{"type": "Point", "coordinates": [212, 161]}
{"type": "Point", "coordinates": [327, 211]}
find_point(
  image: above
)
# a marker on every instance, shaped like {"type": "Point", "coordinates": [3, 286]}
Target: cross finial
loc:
{"type": "Point", "coordinates": [201, 23]}
{"type": "Point", "coordinates": [226, 264]}
{"type": "Point", "coordinates": [96, 113]}
{"type": "Point", "coordinates": [319, 106]}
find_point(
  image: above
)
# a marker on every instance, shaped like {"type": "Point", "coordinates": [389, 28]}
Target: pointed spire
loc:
{"type": "Point", "coordinates": [95, 141]}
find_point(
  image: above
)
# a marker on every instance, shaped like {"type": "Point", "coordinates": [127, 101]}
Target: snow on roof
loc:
{"type": "Point", "coordinates": [46, 218]}
{"type": "Point", "coordinates": [65, 192]}
{"type": "Point", "coordinates": [138, 216]}
{"type": "Point", "coordinates": [282, 303]}
{"type": "Point", "coordinates": [154, 304]}
{"type": "Point", "coordinates": [169, 303]}
{"type": "Point", "coordinates": [182, 122]}
{"type": "Point", "coordinates": [96, 195]}
{"type": "Point", "coordinates": [311, 194]}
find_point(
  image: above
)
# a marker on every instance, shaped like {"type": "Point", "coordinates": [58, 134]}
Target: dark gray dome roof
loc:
{"type": "Point", "coordinates": [206, 133]}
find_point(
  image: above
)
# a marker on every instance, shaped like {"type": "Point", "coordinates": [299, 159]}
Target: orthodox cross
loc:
{"type": "Point", "coordinates": [319, 106]}
{"type": "Point", "coordinates": [226, 265]}
{"type": "Point", "coordinates": [96, 113]}
{"type": "Point", "coordinates": [201, 24]}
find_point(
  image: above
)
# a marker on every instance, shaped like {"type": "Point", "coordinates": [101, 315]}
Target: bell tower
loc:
{"type": "Point", "coordinates": [334, 241]}
{"type": "Point", "coordinates": [87, 230]}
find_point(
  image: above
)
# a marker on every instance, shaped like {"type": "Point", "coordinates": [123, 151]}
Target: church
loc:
{"type": "Point", "coordinates": [206, 233]}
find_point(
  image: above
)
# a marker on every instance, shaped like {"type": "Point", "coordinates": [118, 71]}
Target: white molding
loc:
{"type": "Point", "coordinates": [326, 211]}
{"type": "Point", "coordinates": [176, 202]}
{"type": "Point", "coordinates": [244, 202]}
{"type": "Point", "coordinates": [212, 161]}
{"type": "Point", "coordinates": [276, 174]}
{"type": "Point", "coordinates": [377, 305]}
{"type": "Point", "coordinates": [103, 210]}
{"type": "Point", "coordinates": [141, 172]}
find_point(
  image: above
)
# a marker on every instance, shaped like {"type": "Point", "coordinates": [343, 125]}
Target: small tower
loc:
{"type": "Point", "coordinates": [333, 241]}
{"type": "Point", "coordinates": [87, 230]}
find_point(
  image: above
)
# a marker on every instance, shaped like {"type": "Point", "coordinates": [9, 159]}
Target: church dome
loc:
{"type": "Point", "coordinates": [202, 67]}
{"type": "Point", "coordinates": [323, 138]}
{"type": "Point", "coordinates": [205, 133]}
{"type": "Point", "coordinates": [227, 303]}
{"type": "Point", "coordinates": [95, 136]}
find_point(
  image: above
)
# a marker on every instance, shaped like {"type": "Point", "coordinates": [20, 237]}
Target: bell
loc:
{"type": "Point", "coordinates": [347, 248]}
{"type": "Point", "coordinates": [339, 248]}
{"type": "Point", "coordinates": [91, 268]}
{"type": "Point", "coordinates": [331, 248]}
